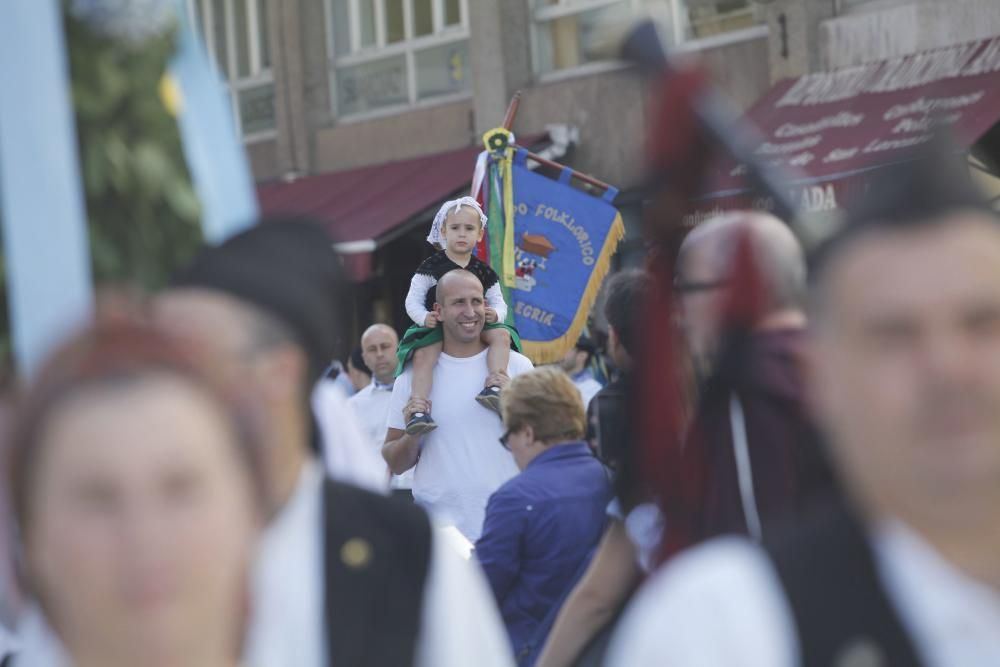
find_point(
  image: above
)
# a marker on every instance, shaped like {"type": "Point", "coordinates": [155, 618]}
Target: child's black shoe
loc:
{"type": "Point", "coordinates": [489, 398]}
{"type": "Point", "coordinates": [420, 423]}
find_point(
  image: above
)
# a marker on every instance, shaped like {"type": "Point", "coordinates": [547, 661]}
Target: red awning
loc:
{"type": "Point", "coordinates": [366, 203]}
{"type": "Point", "coordinates": [831, 128]}
{"type": "Point", "coordinates": [362, 208]}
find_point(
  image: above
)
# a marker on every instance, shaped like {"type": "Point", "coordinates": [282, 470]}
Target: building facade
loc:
{"type": "Point", "coordinates": [342, 86]}
{"type": "Point", "coordinates": [328, 85]}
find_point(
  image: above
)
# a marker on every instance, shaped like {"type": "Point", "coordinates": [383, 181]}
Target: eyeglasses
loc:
{"type": "Point", "coordinates": [504, 438]}
{"type": "Point", "coordinates": [694, 286]}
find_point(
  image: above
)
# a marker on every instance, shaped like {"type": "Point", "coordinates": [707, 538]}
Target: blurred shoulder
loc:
{"type": "Point", "coordinates": [720, 602]}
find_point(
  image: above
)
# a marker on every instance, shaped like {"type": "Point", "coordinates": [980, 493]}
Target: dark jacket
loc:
{"type": "Point", "coordinates": [377, 552]}
{"type": "Point", "coordinates": [789, 468]}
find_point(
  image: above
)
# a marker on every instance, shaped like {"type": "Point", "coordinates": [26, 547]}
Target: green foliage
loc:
{"type": "Point", "coordinates": [143, 213]}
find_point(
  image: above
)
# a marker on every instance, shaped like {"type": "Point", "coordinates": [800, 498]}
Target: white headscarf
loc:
{"type": "Point", "coordinates": [435, 237]}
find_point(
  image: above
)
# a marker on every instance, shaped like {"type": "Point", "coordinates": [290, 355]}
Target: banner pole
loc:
{"type": "Point", "coordinates": [555, 165]}
{"type": "Point", "coordinates": [508, 119]}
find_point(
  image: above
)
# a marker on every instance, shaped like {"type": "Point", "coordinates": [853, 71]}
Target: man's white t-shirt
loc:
{"type": "Point", "coordinates": [461, 462]}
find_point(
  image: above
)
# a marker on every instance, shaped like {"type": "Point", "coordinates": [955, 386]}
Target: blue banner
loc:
{"type": "Point", "coordinates": [564, 239]}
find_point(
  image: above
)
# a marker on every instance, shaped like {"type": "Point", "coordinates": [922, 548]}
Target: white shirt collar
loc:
{"type": "Point", "coordinates": [953, 618]}
{"type": "Point", "coordinates": [37, 644]}
{"type": "Point", "coordinates": [378, 386]}
{"type": "Point", "coordinates": [288, 581]}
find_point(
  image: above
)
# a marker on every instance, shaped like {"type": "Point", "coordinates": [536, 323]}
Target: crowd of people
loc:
{"type": "Point", "coordinates": [191, 482]}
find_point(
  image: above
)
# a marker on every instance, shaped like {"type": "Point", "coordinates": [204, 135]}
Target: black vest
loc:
{"type": "Point", "coordinates": [842, 614]}
{"type": "Point", "coordinates": [377, 550]}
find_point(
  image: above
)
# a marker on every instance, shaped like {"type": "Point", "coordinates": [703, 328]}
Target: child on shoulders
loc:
{"type": "Point", "coordinates": [457, 228]}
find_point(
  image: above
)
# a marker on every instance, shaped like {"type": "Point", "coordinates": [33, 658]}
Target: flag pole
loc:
{"type": "Point", "coordinates": [508, 123]}
{"type": "Point", "coordinates": [508, 119]}
{"type": "Point", "coordinates": [575, 174]}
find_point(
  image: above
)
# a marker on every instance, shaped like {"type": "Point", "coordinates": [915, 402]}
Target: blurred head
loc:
{"type": "Point", "coordinates": [705, 262]}
{"type": "Point", "coordinates": [626, 296]}
{"type": "Point", "coordinates": [256, 353]}
{"type": "Point", "coordinates": [288, 270]}
{"type": "Point", "coordinates": [266, 306]}
{"type": "Point", "coordinates": [357, 370]}
{"type": "Point", "coordinates": [378, 345]}
{"type": "Point", "coordinates": [461, 307]}
{"type": "Point", "coordinates": [541, 408]}
{"type": "Point", "coordinates": [577, 357]}
{"type": "Point", "coordinates": [138, 498]}
{"type": "Point", "coordinates": [905, 359]}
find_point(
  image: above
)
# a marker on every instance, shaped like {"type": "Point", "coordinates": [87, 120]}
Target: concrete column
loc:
{"type": "Point", "coordinates": [795, 35]}
{"type": "Point", "coordinates": [318, 111]}
{"type": "Point", "coordinates": [500, 55]}
{"type": "Point", "coordinates": [289, 85]}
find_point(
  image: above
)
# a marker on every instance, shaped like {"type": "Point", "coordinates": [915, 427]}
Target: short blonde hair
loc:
{"type": "Point", "coordinates": [546, 400]}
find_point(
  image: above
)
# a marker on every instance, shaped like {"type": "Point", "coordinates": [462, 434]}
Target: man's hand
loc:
{"type": "Point", "coordinates": [498, 379]}
{"type": "Point", "coordinates": [491, 316]}
{"type": "Point", "coordinates": [431, 320]}
{"type": "Point", "coordinates": [414, 405]}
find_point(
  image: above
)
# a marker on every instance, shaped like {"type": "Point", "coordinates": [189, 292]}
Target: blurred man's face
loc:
{"type": "Point", "coordinates": [378, 348]}
{"type": "Point", "coordinates": [905, 365]}
{"type": "Point", "coordinates": [701, 296]}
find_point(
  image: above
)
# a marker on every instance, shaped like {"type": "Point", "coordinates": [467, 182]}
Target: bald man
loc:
{"type": "Point", "coordinates": [371, 403]}
{"type": "Point", "coordinates": [758, 447]}
{"type": "Point", "coordinates": [461, 463]}
{"type": "Point", "coordinates": [704, 263]}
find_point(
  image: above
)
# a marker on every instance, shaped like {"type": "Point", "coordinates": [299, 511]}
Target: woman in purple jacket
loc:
{"type": "Point", "coordinates": [543, 525]}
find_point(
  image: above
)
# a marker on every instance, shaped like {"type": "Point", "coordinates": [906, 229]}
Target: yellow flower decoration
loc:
{"type": "Point", "coordinates": [497, 139]}
{"type": "Point", "coordinates": [170, 95]}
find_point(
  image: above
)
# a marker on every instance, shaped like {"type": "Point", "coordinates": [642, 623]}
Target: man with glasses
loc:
{"type": "Point", "coordinates": [754, 441]}
{"type": "Point", "coordinates": [904, 360]}
{"type": "Point", "coordinates": [458, 465]}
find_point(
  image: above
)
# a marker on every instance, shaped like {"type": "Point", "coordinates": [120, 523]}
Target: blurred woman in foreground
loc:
{"type": "Point", "coordinates": [136, 494]}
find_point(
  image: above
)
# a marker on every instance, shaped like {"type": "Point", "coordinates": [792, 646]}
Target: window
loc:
{"type": "Point", "coordinates": [857, 6]}
{"type": "Point", "coordinates": [568, 34]}
{"type": "Point", "coordinates": [390, 54]}
{"type": "Point", "coordinates": [236, 35]}
{"type": "Point", "coordinates": [707, 18]}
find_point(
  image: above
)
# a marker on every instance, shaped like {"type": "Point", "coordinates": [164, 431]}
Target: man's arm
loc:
{"type": "Point", "coordinates": [400, 450]}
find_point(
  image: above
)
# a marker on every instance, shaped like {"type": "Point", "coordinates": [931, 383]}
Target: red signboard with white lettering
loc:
{"type": "Point", "coordinates": [831, 128]}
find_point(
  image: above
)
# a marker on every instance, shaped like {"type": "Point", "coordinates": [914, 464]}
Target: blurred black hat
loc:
{"type": "Point", "coordinates": [287, 268]}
